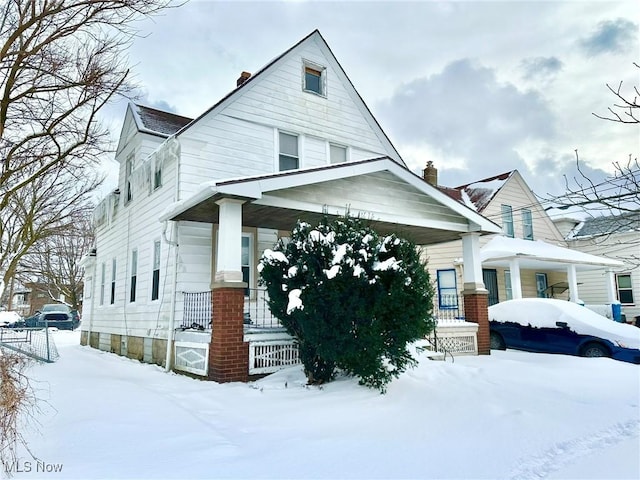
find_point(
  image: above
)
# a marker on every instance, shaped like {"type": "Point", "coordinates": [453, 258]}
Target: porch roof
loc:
{"type": "Point", "coordinates": [379, 190]}
{"type": "Point", "coordinates": [537, 254]}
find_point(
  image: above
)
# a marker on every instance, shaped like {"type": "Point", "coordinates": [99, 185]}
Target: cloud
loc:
{"type": "Point", "coordinates": [611, 36]}
{"type": "Point", "coordinates": [540, 68]}
{"type": "Point", "coordinates": [464, 112]}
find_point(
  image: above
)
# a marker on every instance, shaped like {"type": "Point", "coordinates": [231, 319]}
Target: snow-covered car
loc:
{"type": "Point", "coordinates": [557, 326]}
{"type": "Point", "coordinates": [8, 319]}
{"type": "Point", "coordinates": [56, 315]}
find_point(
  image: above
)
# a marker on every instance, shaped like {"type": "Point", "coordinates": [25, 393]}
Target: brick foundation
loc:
{"type": "Point", "coordinates": [476, 311]}
{"type": "Point", "coordinates": [228, 353]}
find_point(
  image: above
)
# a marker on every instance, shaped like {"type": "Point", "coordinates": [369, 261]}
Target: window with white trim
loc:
{"type": "Point", "coordinates": [507, 220]}
{"type": "Point", "coordinates": [527, 224]}
{"type": "Point", "coordinates": [155, 276]}
{"type": "Point", "coordinates": [134, 275]}
{"type": "Point", "coordinates": [447, 289]}
{"type": "Point", "coordinates": [507, 285]}
{"type": "Point", "coordinates": [337, 153]}
{"type": "Point", "coordinates": [88, 287]}
{"type": "Point", "coordinates": [128, 169]}
{"type": "Point", "coordinates": [112, 297]}
{"type": "Point", "coordinates": [246, 260]}
{"type": "Point", "coordinates": [288, 158]}
{"type": "Point", "coordinates": [625, 288]}
{"type": "Point", "coordinates": [314, 78]}
{"type": "Point", "coordinates": [103, 273]}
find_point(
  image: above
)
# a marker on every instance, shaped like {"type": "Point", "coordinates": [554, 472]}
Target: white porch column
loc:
{"type": "Point", "coordinates": [611, 287]}
{"type": "Point", "coordinates": [516, 283]}
{"type": "Point", "coordinates": [472, 272]}
{"type": "Point", "coordinates": [572, 280]}
{"type": "Point", "coordinates": [229, 244]}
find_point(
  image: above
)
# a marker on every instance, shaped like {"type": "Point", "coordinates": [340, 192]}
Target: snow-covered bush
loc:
{"type": "Point", "coordinates": [353, 299]}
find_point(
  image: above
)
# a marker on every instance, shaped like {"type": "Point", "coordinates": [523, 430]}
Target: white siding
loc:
{"type": "Point", "coordinates": [239, 138]}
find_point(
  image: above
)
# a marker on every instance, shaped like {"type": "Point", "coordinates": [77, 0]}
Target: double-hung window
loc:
{"type": "Point", "coordinates": [155, 277]}
{"type": "Point", "coordinates": [625, 289]}
{"type": "Point", "coordinates": [112, 298]}
{"type": "Point", "coordinates": [447, 289]}
{"type": "Point", "coordinates": [288, 157]}
{"type": "Point", "coordinates": [527, 224]}
{"type": "Point", "coordinates": [103, 274]}
{"type": "Point", "coordinates": [134, 275]}
{"type": "Point", "coordinates": [508, 289]}
{"type": "Point", "coordinates": [128, 170]}
{"type": "Point", "coordinates": [337, 153]}
{"type": "Point", "coordinates": [507, 220]}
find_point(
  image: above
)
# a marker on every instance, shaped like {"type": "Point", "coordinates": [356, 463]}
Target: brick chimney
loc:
{"type": "Point", "coordinates": [244, 76]}
{"type": "Point", "coordinates": [430, 174]}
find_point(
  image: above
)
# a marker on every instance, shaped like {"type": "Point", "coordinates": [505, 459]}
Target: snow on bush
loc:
{"type": "Point", "coordinates": [352, 298]}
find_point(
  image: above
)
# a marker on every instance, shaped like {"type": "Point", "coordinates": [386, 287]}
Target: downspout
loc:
{"type": "Point", "coordinates": [172, 315]}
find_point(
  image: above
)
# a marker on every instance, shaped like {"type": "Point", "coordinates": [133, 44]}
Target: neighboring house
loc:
{"type": "Point", "coordinates": [199, 200]}
{"type": "Point", "coordinates": [614, 236]}
{"type": "Point", "coordinates": [529, 258]}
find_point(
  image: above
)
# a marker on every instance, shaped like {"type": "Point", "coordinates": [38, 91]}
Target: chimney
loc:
{"type": "Point", "coordinates": [244, 76]}
{"type": "Point", "coordinates": [430, 174]}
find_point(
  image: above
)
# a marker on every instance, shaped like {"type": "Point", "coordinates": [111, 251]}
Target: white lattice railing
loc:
{"type": "Point", "coordinates": [456, 337]}
{"type": "Point", "coordinates": [271, 356]}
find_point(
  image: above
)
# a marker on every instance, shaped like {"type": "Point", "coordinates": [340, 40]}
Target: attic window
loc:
{"type": "Point", "coordinates": [314, 79]}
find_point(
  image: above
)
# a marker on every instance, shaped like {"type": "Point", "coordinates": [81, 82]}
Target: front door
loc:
{"type": "Point", "coordinates": [490, 279]}
{"type": "Point", "coordinates": [541, 284]}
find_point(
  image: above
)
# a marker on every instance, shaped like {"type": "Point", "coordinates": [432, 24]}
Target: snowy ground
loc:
{"type": "Point", "coordinates": [511, 415]}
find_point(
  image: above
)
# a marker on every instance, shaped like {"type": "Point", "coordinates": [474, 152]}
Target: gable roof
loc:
{"type": "Point", "coordinates": [157, 122]}
{"type": "Point", "coordinates": [477, 195]}
{"type": "Point", "coordinates": [250, 80]}
{"type": "Point", "coordinates": [598, 226]}
{"type": "Point", "coordinates": [266, 200]}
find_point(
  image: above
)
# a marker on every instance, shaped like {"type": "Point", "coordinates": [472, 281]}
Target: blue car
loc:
{"type": "Point", "coordinates": [557, 326]}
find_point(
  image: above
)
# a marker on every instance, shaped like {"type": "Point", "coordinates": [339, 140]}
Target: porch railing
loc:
{"type": "Point", "coordinates": [196, 313]}
{"type": "Point", "coordinates": [197, 310]}
{"type": "Point", "coordinates": [448, 307]}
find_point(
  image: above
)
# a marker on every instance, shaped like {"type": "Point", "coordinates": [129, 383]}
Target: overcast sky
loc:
{"type": "Point", "coordinates": [480, 88]}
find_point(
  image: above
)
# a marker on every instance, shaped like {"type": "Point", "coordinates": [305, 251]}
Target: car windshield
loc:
{"type": "Point", "coordinates": [55, 307]}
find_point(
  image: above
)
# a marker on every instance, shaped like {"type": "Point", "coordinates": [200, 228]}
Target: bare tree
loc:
{"type": "Point", "coordinates": [40, 215]}
{"type": "Point", "coordinates": [55, 260]}
{"type": "Point", "coordinates": [626, 109]}
{"type": "Point", "coordinates": [61, 61]}
{"type": "Point", "coordinates": [18, 404]}
{"type": "Point", "coordinates": [619, 192]}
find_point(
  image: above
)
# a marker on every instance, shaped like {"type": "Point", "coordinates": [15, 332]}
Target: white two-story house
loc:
{"type": "Point", "coordinates": [199, 200]}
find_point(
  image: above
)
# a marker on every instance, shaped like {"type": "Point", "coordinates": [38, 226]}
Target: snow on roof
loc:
{"type": "Point", "coordinates": [504, 248]}
{"type": "Point", "coordinates": [478, 194]}
{"type": "Point", "coordinates": [158, 121]}
{"type": "Point", "coordinates": [624, 223]}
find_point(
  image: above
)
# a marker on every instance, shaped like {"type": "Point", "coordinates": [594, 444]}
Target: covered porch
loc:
{"type": "Point", "coordinates": [387, 195]}
{"type": "Point", "coordinates": [516, 255]}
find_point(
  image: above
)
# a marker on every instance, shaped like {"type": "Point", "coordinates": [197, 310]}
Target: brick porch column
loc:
{"type": "Point", "coordinates": [475, 294]}
{"type": "Point", "coordinates": [228, 353]}
{"type": "Point", "coordinates": [476, 311]}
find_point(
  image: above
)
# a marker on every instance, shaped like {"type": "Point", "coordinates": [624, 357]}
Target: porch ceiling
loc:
{"type": "Point", "coordinates": [263, 216]}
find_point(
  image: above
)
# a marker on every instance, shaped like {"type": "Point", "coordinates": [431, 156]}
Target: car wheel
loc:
{"type": "Point", "coordinates": [496, 341]}
{"type": "Point", "coordinates": [592, 350]}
